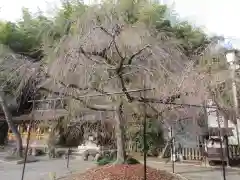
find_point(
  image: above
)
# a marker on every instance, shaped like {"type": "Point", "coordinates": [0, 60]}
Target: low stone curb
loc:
{"type": "Point", "coordinates": [180, 177]}
{"type": "Point", "coordinates": [197, 165]}
{"type": "Point", "coordinates": [71, 173]}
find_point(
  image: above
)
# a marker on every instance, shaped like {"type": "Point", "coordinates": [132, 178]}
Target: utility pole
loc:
{"type": "Point", "coordinates": [234, 89]}
{"type": "Point", "coordinates": [230, 56]}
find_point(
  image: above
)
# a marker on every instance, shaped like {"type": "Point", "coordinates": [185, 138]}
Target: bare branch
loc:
{"type": "Point", "coordinates": [120, 55]}
{"type": "Point", "coordinates": [124, 89]}
{"type": "Point", "coordinates": [90, 106]}
{"type": "Point", "coordinates": [104, 30]}
{"type": "Point", "coordinates": [101, 54]}
{"type": "Point", "coordinates": [167, 100]}
{"type": "Point", "coordinates": [137, 53]}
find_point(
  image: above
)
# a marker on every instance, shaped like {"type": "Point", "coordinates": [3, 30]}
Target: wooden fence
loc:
{"type": "Point", "coordinates": [36, 136]}
{"type": "Point", "coordinates": [189, 153]}
{"type": "Point", "coordinates": [234, 151]}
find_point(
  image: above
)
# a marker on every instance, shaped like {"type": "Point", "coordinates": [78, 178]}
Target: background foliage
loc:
{"type": "Point", "coordinates": [26, 36]}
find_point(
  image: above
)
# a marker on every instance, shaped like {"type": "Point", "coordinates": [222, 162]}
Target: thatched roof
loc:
{"type": "Point", "coordinates": [40, 115]}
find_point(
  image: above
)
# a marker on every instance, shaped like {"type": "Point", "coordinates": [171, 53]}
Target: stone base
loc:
{"type": "Point", "coordinates": [205, 162]}
{"type": "Point", "coordinates": [29, 160]}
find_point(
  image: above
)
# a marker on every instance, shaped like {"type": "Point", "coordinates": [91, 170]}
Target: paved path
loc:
{"type": "Point", "coordinates": [193, 172]}
{"type": "Point", "coordinates": [40, 170]}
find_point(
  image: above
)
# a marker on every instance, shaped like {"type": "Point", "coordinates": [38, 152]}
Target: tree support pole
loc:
{"type": "Point", "coordinates": [68, 155]}
{"type": "Point", "coordinates": [28, 139]}
{"type": "Point", "coordinates": [172, 149]}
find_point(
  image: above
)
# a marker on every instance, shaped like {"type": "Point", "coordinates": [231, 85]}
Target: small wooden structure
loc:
{"type": "Point", "coordinates": [39, 134]}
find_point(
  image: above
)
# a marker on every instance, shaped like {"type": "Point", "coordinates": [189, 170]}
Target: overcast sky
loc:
{"type": "Point", "coordinates": [216, 16]}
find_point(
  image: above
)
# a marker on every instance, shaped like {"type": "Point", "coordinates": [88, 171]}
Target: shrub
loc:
{"type": "Point", "coordinates": [105, 161]}
{"type": "Point", "coordinates": [132, 160]}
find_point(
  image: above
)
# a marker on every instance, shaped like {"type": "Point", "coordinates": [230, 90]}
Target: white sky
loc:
{"type": "Point", "coordinates": [216, 16]}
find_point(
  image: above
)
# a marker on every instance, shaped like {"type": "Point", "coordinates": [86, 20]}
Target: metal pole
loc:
{"type": "Point", "coordinates": [221, 146]}
{"type": "Point", "coordinates": [226, 148]}
{"type": "Point", "coordinates": [68, 154]}
{"type": "Point", "coordinates": [144, 136]}
{"type": "Point", "coordinates": [28, 139]}
{"type": "Point", "coordinates": [226, 139]}
{"type": "Point", "coordinates": [172, 149]}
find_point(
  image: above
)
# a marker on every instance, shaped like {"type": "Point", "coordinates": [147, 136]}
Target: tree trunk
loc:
{"type": "Point", "coordinates": [120, 136]}
{"type": "Point", "coordinates": [3, 133]}
{"type": "Point", "coordinates": [11, 125]}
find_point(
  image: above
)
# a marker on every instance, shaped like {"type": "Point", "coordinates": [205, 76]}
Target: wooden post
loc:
{"type": "Point", "coordinates": [185, 152]}
{"type": "Point", "coordinates": [193, 153]}
{"type": "Point", "coordinates": [28, 139]}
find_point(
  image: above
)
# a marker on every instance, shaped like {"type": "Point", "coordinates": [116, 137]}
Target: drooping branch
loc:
{"type": "Point", "coordinates": [90, 106]}
{"type": "Point", "coordinates": [119, 68]}
{"type": "Point", "coordinates": [158, 113]}
{"type": "Point", "coordinates": [169, 99]}
{"type": "Point", "coordinates": [73, 86]}
{"type": "Point", "coordinates": [94, 53]}
{"type": "Point", "coordinates": [166, 100]}
{"type": "Point", "coordinates": [223, 110]}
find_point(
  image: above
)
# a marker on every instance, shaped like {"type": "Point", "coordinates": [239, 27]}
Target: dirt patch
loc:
{"type": "Point", "coordinates": [123, 172]}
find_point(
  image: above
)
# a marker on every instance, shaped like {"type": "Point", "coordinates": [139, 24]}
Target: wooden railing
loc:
{"type": "Point", "coordinates": [36, 136]}
{"type": "Point", "coordinates": [190, 153]}
{"type": "Point", "coordinates": [36, 140]}
{"type": "Point", "coordinates": [234, 151]}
